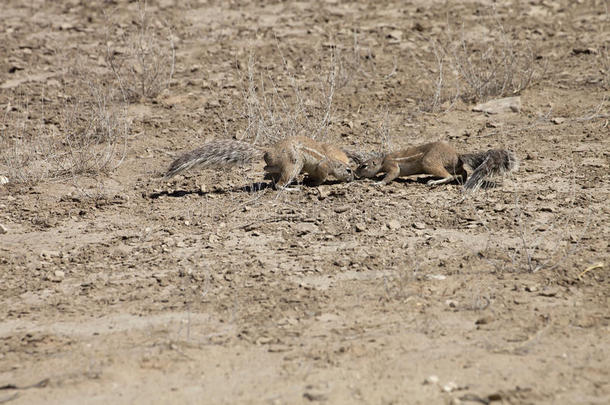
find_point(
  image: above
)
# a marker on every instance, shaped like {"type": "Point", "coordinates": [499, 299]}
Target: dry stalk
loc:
{"type": "Point", "coordinates": [479, 71]}
{"type": "Point", "coordinates": [287, 104]}
{"type": "Point", "coordinates": [142, 65]}
{"type": "Point", "coordinates": [86, 135]}
{"type": "Point", "coordinates": [494, 70]}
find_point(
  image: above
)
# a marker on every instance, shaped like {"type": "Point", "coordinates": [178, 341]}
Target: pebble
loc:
{"type": "Point", "coordinates": [484, 320]}
{"type": "Point", "coordinates": [394, 36]}
{"type": "Point", "coordinates": [419, 225]}
{"type": "Point", "coordinates": [360, 227]}
{"type": "Point", "coordinates": [433, 379]}
{"type": "Point", "coordinates": [450, 386]}
{"type": "Point", "coordinates": [3, 180]}
{"type": "Point", "coordinates": [3, 229]}
{"type": "Point", "coordinates": [586, 51]}
{"type": "Point", "coordinates": [500, 105]}
{"type": "Point", "coordinates": [323, 192]}
{"type": "Point", "coordinates": [393, 224]}
{"type": "Point", "coordinates": [59, 274]}
{"type": "Point", "coordinates": [451, 303]}
{"type": "Point", "coordinates": [343, 208]}
{"type": "Point", "coordinates": [304, 228]}
{"type": "Point", "coordinates": [315, 396]}
{"type": "Point", "coordinates": [549, 292]}
{"type": "Point", "coordinates": [50, 253]}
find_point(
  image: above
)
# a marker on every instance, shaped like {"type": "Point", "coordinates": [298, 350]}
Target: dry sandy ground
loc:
{"type": "Point", "coordinates": [214, 288]}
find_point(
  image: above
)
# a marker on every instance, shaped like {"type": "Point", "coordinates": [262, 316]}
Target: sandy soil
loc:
{"type": "Point", "coordinates": [213, 288]}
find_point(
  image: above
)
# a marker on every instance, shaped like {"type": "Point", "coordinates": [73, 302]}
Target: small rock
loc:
{"type": "Point", "coordinates": [360, 227]}
{"type": "Point", "coordinates": [47, 254]}
{"type": "Point", "coordinates": [395, 36]}
{"type": "Point", "coordinates": [549, 292]}
{"type": "Point", "coordinates": [304, 228]}
{"type": "Point", "coordinates": [3, 180]}
{"type": "Point", "coordinates": [449, 387]}
{"type": "Point", "coordinates": [3, 229]}
{"type": "Point", "coordinates": [343, 208]}
{"type": "Point", "coordinates": [531, 288]}
{"type": "Point", "coordinates": [431, 380]}
{"type": "Point", "coordinates": [451, 303]}
{"type": "Point", "coordinates": [213, 104]}
{"type": "Point", "coordinates": [547, 197]}
{"type": "Point", "coordinates": [393, 224]}
{"type": "Point", "coordinates": [585, 51]}
{"type": "Point", "coordinates": [315, 396]}
{"type": "Point", "coordinates": [56, 277]}
{"type": "Point", "coordinates": [323, 192]}
{"type": "Point", "coordinates": [421, 26]}
{"type": "Point", "coordinates": [500, 207]}
{"type": "Point", "coordinates": [484, 320]}
{"type": "Point", "coordinates": [438, 277]}
{"type": "Point", "coordinates": [558, 120]}
{"type": "Point", "coordinates": [347, 123]}
{"type": "Point", "coordinates": [187, 223]}
{"type": "Point", "coordinates": [500, 105]}
{"type": "Point", "coordinates": [419, 225]}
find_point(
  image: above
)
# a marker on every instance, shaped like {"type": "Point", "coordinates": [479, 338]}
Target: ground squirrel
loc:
{"type": "Point", "coordinates": [439, 159]}
{"type": "Point", "coordinates": [285, 160]}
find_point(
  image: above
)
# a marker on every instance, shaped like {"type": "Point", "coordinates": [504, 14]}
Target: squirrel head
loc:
{"type": "Point", "coordinates": [343, 172]}
{"type": "Point", "coordinates": [370, 167]}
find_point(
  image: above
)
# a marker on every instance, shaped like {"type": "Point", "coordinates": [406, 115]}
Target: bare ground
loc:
{"type": "Point", "coordinates": [214, 288]}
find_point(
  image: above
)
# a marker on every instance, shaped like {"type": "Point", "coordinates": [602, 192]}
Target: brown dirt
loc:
{"type": "Point", "coordinates": [206, 290]}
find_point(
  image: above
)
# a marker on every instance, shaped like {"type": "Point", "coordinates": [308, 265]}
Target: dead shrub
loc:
{"type": "Point", "coordinates": [275, 104]}
{"type": "Point", "coordinates": [87, 134]}
{"type": "Point", "coordinates": [142, 61]}
{"type": "Point", "coordinates": [499, 68]}
{"type": "Point", "coordinates": [476, 70]}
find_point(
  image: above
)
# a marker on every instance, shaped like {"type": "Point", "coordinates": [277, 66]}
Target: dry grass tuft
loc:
{"type": "Point", "coordinates": [85, 135]}
{"type": "Point", "coordinates": [476, 70]}
{"type": "Point", "coordinates": [279, 102]}
{"type": "Point", "coordinates": [142, 61]}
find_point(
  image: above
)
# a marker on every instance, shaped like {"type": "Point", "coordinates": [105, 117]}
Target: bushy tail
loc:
{"type": "Point", "coordinates": [491, 162]}
{"type": "Point", "coordinates": [221, 153]}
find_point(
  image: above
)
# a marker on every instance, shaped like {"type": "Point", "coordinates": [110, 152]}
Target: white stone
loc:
{"type": "Point", "coordinates": [500, 105]}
